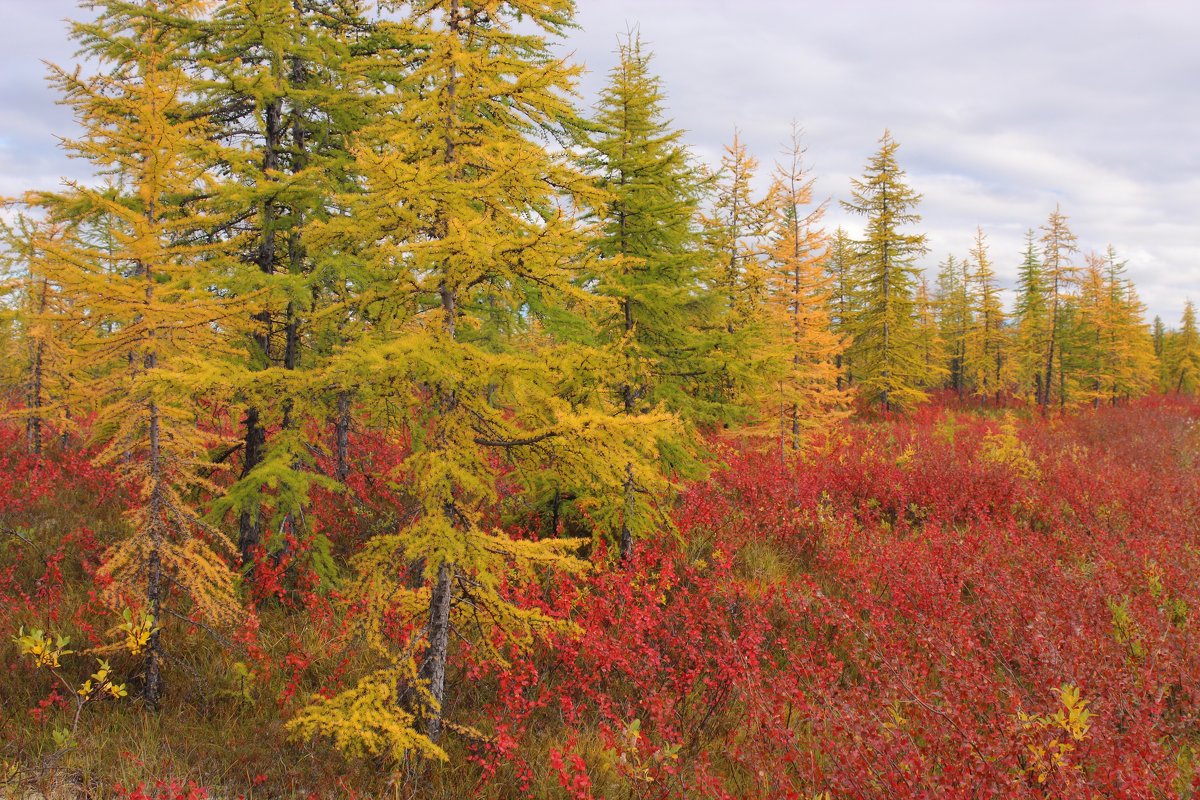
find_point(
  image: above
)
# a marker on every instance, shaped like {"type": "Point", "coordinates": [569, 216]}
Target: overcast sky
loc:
{"type": "Point", "coordinates": [1002, 108]}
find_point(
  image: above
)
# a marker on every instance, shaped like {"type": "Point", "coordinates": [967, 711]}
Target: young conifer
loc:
{"type": "Point", "coordinates": [886, 353]}
{"type": "Point", "coordinates": [1032, 322]}
{"type": "Point", "coordinates": [1183, 354]}
{"type": "Point", "coordinates": [1061, 275]}
{"type": "Point", "coordinates": [987, 341]}
{"type": "Point", "coordinates": [802, 387]}
{"type": "Point", "coordinates": [479, 364]}
{"type": "Point", "coordinates": [154, 337]}
{"type": "Point", "coordinates": [736, 234]}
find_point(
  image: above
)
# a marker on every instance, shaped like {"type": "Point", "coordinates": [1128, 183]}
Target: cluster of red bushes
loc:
{"type": "Point", "coordinates": [952, 604]}
{"type": "Point", "coordinates": [948, 605]}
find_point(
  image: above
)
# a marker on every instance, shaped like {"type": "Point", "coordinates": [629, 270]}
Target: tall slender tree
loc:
{"type": "Point", "coordinates": [955, 319]}
{"type": "Point", "coordinates": [1059, 247]}
{"type": "Point", "coordinates": [44, 334]}
{"type": "Point", "coordinates": [841, 268]}
{"type": "Point", "coordinates": [736, 232]}
{"type": "Point", "coordinates": [986, 343]}
{"type": "Point", "coordinates": [272, 75]}
{"type": "Point", "coordinates": [803, 387]}
{"type": "Point", "coordinates": [1183, 354]}
{"type": "Point", "coordinates": [650, 260]}
{"type": "Point", "coordinates": [472, 217]}
{"type": "Point", "coordinates": [154, 334]}
{"type": "Point", "coordinates": [884, 350]}
{"type": "Point", "coordinates": [1032, 322]}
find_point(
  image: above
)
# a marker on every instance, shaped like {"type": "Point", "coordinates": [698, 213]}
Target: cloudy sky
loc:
{"type": "Point", "coordinates": [1002, 108]}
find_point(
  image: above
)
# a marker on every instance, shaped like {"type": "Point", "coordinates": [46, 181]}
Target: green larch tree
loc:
{"type": "Point", "coordinates": [1032, 322]}
{"type": "Point", "coordinates": [1158, 336]}
{"type": "Point", "coordinates": [273, 75]}
{"type": "Point", "coordinates": [986, 344]}
{"type": "Point", "coordinates": [885, 349]}
{"type": "Point", "coordinates": [1183, 354]}
{"type": "Point", "coordinates": [955, 315]}
{"type": "Point", "coordinates": [841, 268]}
{"type": "Point", "coordinates": [1061, 274]}
{"type": "Point", "coordinates": [649, 259]}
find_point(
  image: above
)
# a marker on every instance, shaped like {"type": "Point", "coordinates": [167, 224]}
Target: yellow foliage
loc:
{"type": "Point", "coordinates": [44, 651]}
{"type": "Point", "coordinates": [1005, 448]}
{"type": "Point", "coordinates": [370, 719]}
{"type": "Point", "coordinates": [1051, 738]}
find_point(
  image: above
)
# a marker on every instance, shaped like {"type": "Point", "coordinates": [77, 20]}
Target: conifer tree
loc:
{"type": "Point", "coordinates": [803, 349]}
{"type": "Point", "coordinates": [1183, 355]}
{"type": "Point", "coordinates": [43, 333]}
{"type": "Point", "coordinates": [153, 333]}
{"type": "Point", "coordinates": [272, 74]}
{"type": "Point", "coordinates": [841, 268]}
{"type": "Point", "coordinates": [1096, 318]}
{"type": "Point", "coordinates": [736, 234]}
{"type": "Point", "coordinates": [647, 227]}
{"type": "Point", "coordinates": [1133, 367]}
{"type": "Point", "coordinates": [955, 319]}
{"type": "Point", "coordinates": [885, 348]}
{"type": "Point", "coordinates": [930, 344]}
{"type": "Point", "coordinates": [649, 259]}
{"type": "Point", "coordinates": [1158, 337]}
{"type": "Point", "coordinates": [1032, 321]}
{"type": "Point", "coordinates": [1061, 276]}
{"type": "Point", "coordinates": [470, 221]}
{"type": "Point", "coordinates": [986, 344]}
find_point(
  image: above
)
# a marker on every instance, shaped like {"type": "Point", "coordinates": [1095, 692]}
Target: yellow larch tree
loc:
{"type": "Point", "coordinates": [476, 356]}
{"type": "Point", "coordinates": [43, 346]}
{"type": "Point", "coordinates": [800, 392]}
{"type": "Point", "coordinates": [153, 335]}
{"type": "Point", "coordinates": [986, 340]}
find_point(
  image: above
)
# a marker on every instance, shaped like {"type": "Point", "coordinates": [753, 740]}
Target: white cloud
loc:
{"type": "Point", "coordinates": [1002, 108]}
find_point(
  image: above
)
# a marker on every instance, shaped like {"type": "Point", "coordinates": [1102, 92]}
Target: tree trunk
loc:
{"type": "Point", "coordinates": [341, 435]}
{"type": "Point", "coordinates": [626, 544]}
{"type": "Point", "coordinates": [152, 688]}
{"type": "Point", "coordinates": [433, 665]}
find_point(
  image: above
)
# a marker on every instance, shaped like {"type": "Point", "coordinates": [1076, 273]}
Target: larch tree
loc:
{"type": "Point", "coordinates": [736, 233]}
{"type": "Point", "coordinates": [1158, 338]}
{"type": "Point", "coordinates": [649, 259]}
{"type": "Point", "coordinates": [1183, 355]}
{"type": "Point", "coordinates": [480, 369]}
{"type": "Point", "coordinates": [43, 335]}
{"type": "Point", "coordinates": [802, 386]}
{"type": "Point", "coordinates": [1031, 321]}
{"type": "Point", "coordinates": [1127, 341]}
{"type": "Point", "coordinates": [272, 75]}
{"type": "Point", "coordinates": [1061, 275]}
{"type": "Point", "coordinates": [885, 350]}
{"type": "Point", "coordinates": [1097, 323]}
{"type": "Point", "coordinates": [154, 338]}
{"type": "Point", "coordinates": [986, 343]}
{"type": "Point", "coordinates": [841, 268]}
{"type": "Point", "coordinates": [931, 346]}
{"type": "Point", "coordinates": [955, 314]}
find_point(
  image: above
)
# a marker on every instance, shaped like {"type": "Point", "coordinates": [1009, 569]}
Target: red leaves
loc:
{"type": "Point", "coordinates": [894, 616]}
{"type": "Point", "coordinates": [873, 622]}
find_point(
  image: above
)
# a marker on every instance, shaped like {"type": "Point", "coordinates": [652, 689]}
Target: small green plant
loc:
{"type": "Point", "coordinates": [47, 652]}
